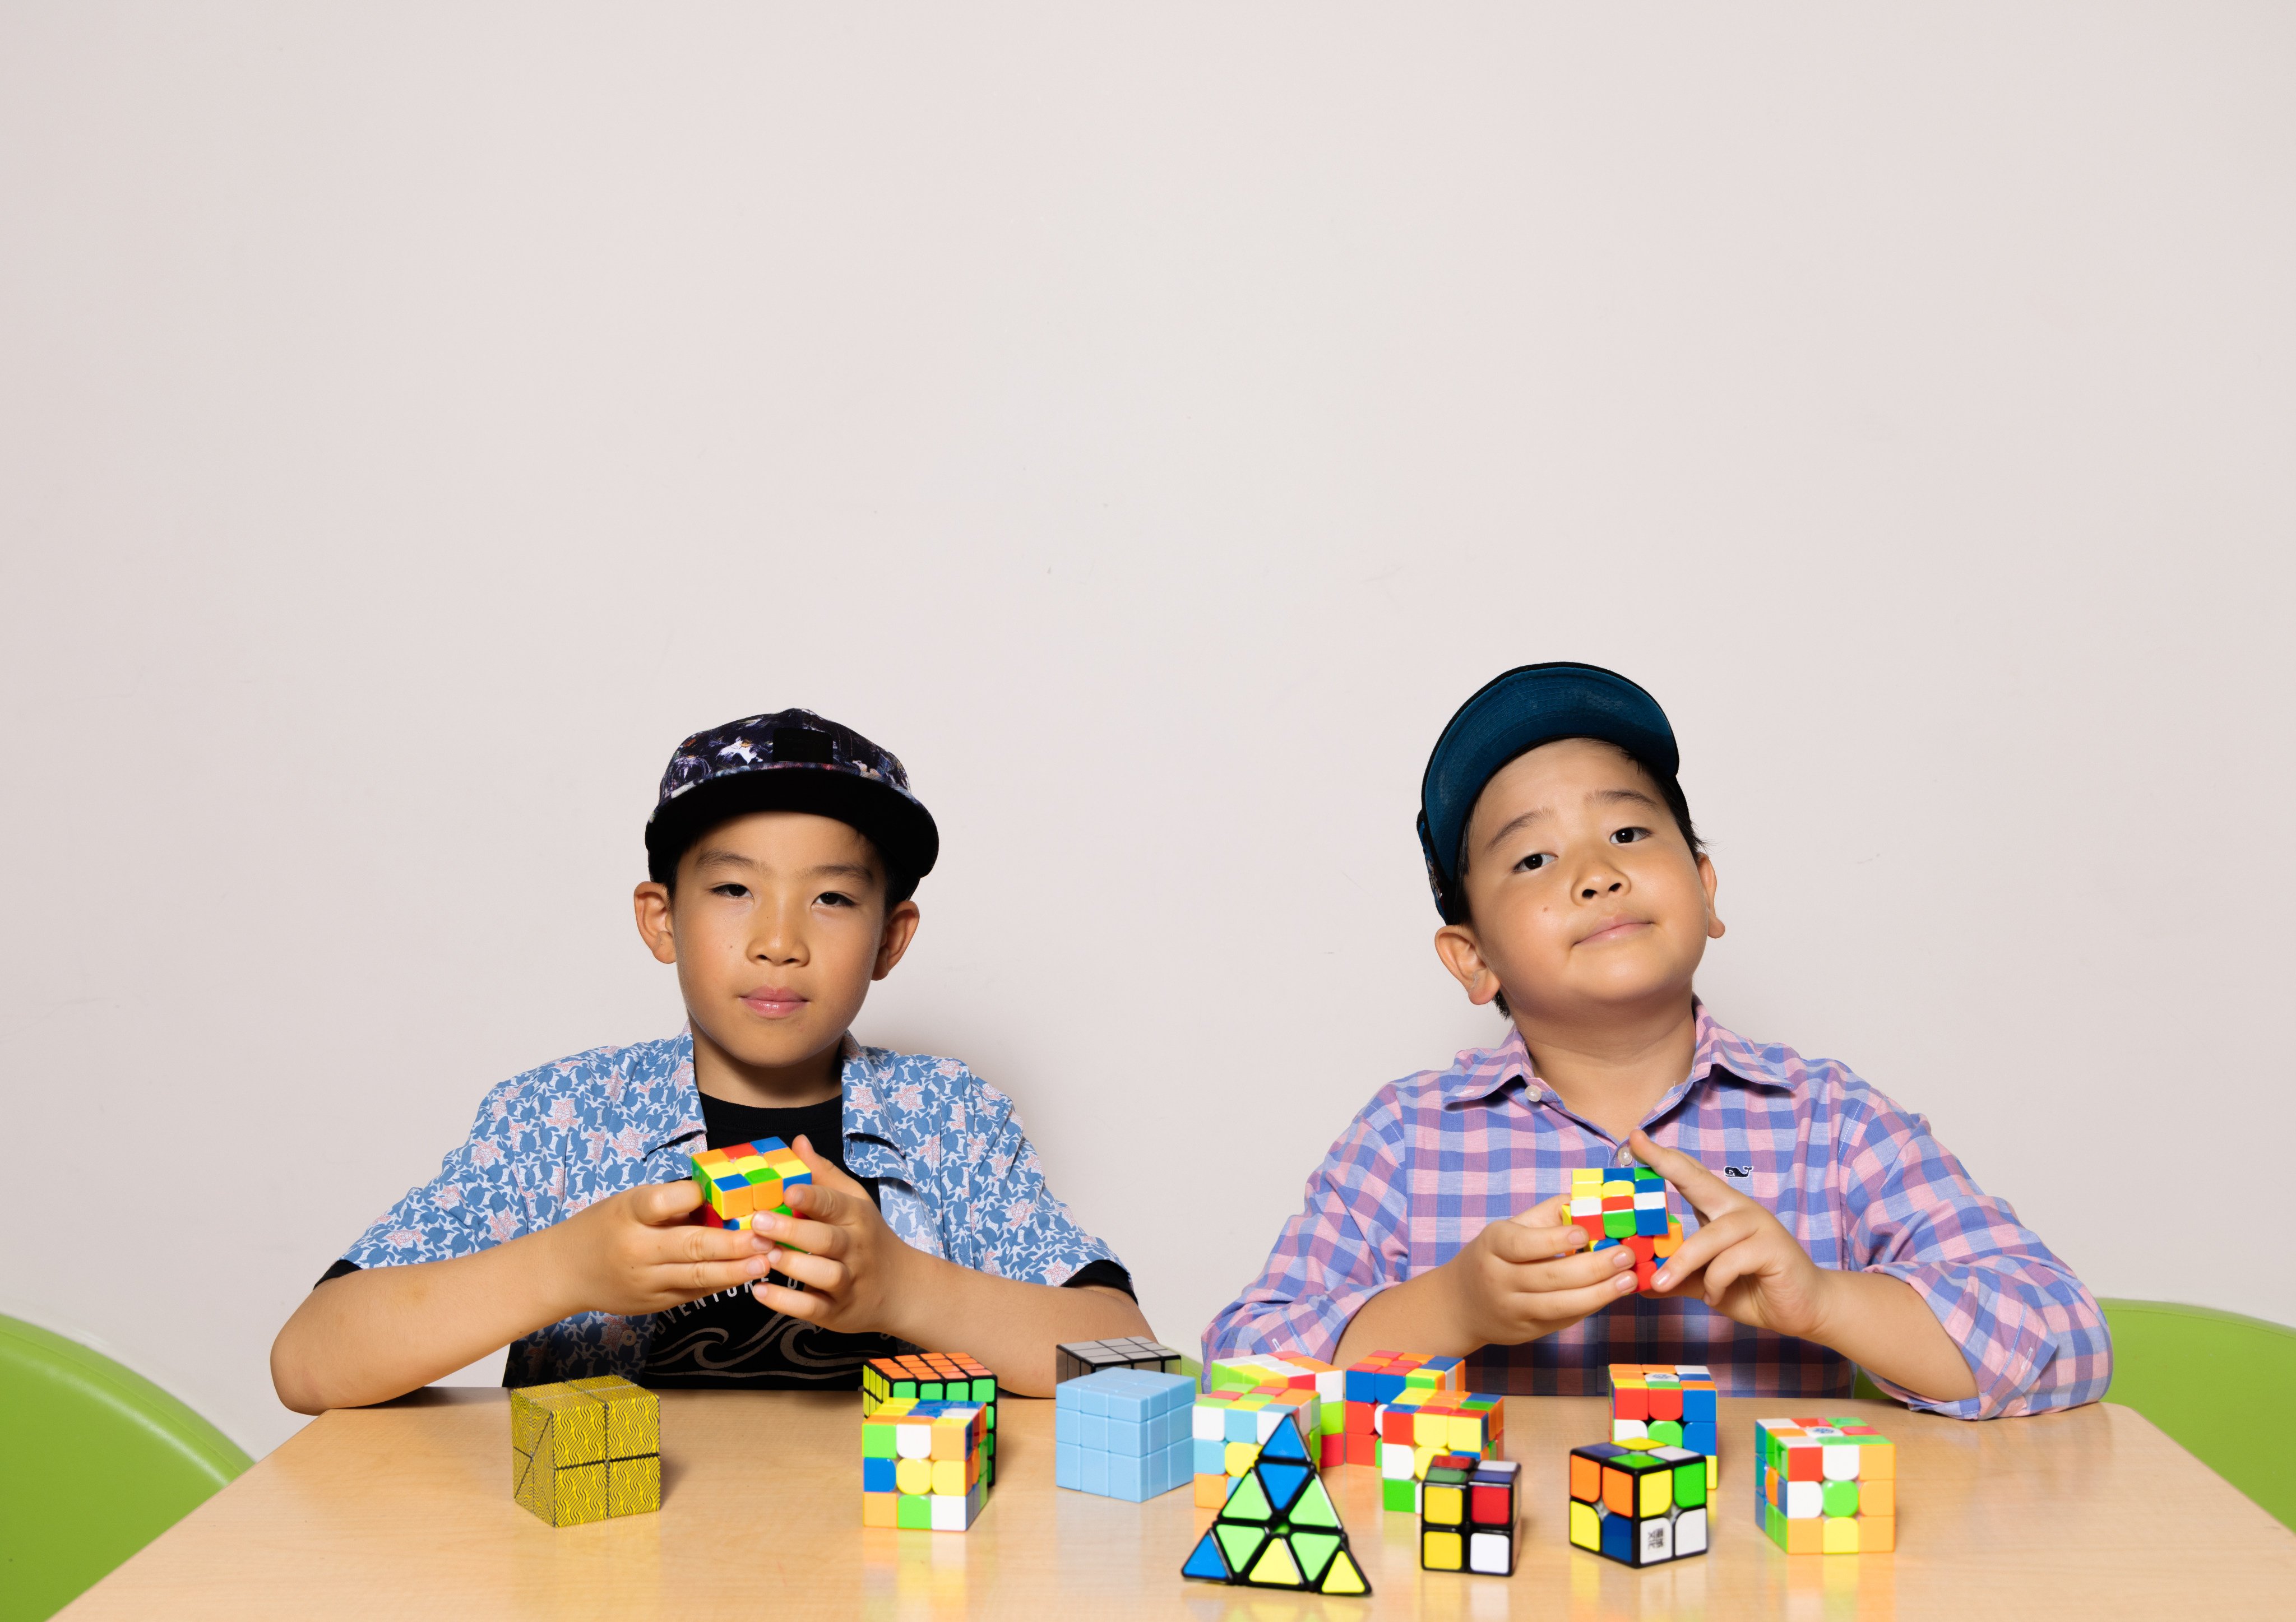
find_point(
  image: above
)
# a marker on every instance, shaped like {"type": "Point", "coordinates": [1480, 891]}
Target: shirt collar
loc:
{"type": "Point", "coordinates": [1480, 1073]}
{"type": "Point", "coordinates": [864, 1112]}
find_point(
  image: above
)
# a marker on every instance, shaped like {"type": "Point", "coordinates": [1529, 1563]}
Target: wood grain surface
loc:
{"type": "Point", "coordinates": [404, 1512]}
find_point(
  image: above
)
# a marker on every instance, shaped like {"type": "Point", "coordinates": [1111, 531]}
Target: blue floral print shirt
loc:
{"type": "Point", "coordinates": [958, 1178]}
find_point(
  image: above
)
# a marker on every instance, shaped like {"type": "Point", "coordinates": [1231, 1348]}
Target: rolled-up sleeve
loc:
{"type": "Point", "coordinates": [2033, 1335]}
{"type": "Point", "coordinates": [1347, 1244]}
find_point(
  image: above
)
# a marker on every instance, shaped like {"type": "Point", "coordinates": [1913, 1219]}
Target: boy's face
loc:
{"type": "Point", "coordinates": [777, 926]}
{"type": "Point", "coordinates": [1586, 900]}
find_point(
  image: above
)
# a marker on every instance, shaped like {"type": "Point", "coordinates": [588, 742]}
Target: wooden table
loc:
{"type": "Point", "coordinates": [404, 1511]}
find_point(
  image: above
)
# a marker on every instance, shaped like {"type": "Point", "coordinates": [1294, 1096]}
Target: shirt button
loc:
{"type": "Point", "coordinates": [1626, 1156]}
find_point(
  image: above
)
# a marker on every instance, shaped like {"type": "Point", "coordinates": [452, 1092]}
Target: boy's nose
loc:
{"type": "Point", "coordinates": [1601, 889]}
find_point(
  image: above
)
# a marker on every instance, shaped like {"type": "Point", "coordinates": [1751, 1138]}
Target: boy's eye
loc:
{"type": "Point", "coordinates": [1532, 863]}
{"type": "Point", "coordinates": [1627, 836]}
{"type": "Point", "coordinates": [829, 897]}
{"type": "Point", "coordinates": [732, 892]}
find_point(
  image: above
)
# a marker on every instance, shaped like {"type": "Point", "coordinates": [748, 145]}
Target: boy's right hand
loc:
{"type": "Point", "coordinates": [1528, 1276]}
{"type": "Point", "coordinates": [637, 1253]}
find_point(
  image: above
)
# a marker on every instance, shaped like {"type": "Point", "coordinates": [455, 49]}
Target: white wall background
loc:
{"type": "Point", "coordinates": [1152, 424]}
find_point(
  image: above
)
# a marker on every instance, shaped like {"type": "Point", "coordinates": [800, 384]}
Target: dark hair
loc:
{"type": "Point", "coordinates": [661, 864]}
{"type": "Point", "coordinates": [1669, 791]}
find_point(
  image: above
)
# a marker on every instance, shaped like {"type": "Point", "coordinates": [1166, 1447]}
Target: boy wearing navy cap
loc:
{"type": "Point", "coordinates": [783, 856]}
{"type": "Point", "coordinates": [1833, 1228]}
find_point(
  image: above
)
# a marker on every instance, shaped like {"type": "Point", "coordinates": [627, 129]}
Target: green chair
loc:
{"type": "Point", "coordinates": [95, 1462]}
{"type": "Point", "coordinates": [2220, 1384]}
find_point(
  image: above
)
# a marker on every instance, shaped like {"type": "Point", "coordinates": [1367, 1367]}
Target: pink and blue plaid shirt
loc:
{"type": "Point", "coordinates": [1435, 1157]}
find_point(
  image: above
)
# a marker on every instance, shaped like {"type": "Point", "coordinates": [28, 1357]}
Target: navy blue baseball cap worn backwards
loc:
{"type": "Point", "coordinates": [792, 760]}
{"type": "Point", "coordinates": [1514, 713]}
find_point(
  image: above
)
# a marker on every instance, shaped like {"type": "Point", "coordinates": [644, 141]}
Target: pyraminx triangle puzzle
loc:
{"type": "Point", "coordinates": [740, 1181]}
{"type": "Point", "coordinates": [1829, 1486]}
{"type": "Point", "coordinates": [1279, 1528]}
{"type": "Point", "coordinates": [584, 1450]}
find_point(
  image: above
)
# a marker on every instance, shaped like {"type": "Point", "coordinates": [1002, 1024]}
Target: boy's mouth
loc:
{"type": "Point", "coordinates": [773, 1002]}
{"type": "Point", "coordinates": [1618, 928]}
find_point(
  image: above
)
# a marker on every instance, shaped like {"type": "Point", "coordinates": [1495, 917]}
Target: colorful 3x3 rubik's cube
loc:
{"type": "Point", "coordinates": [1082, 1358]}
{"type": "Point", "coordinates": [1421, 1426]}
{"type": "Point", "coordinates": [921, 1464]}
{"type": "Point", "coordinates": [1668, 1405]}
{"type": "Point", "coordinates": [1227, 1430]}
{"type": "Point", "coordinates": [936, 1377]}
{"type": "Point", "coordinates": [1467, 1515]}
{"type": "Point", "coordinates": [739, 1183]}
{"type": "Point", "coordinates": [1122, 1433]}
{"type": "Point", "coordinates": [1638, 1505]}
{"type": "Point", "coordinates": [1381, 1378]}
{"type": "Point", "coordinates": [1829, 1486]}
{"type": "Point", "coordinates": [1626, 1204]}
{"type": "Point", "coordinates": [584, 1450]}
{"type": "Point", "coordinates": [1260, 1370]}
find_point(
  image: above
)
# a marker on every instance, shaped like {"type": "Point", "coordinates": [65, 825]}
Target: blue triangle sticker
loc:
{"type": "Point", "coordinates": [1284, 1444]}
{"type": "Point", "coordinates": [1207, 1561]}
{"type": "Point", "coordinates": [1283, 1482]}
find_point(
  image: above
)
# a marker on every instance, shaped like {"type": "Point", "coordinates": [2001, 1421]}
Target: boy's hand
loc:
{"type": "Point", "coordinates": [1520, 1280]}
{"type": "Point", "coordinates": [638, 1253]}
{"type": "Point", "coordinates": [1743, 1260]}
{"type": "Point", "coordinates": [851, 1265]}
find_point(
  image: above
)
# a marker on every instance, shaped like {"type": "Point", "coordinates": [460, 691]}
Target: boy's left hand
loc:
{"type": "Point", "coordinates": [1743, 1260]}
{"type": "Point", "coordinates": [839, 1248]}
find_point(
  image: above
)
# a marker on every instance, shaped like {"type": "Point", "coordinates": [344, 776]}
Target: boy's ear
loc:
{"type": "Point", "coordinates": [1714, 924]}
{"type": "Point", "coordinates": [1462, 955]}
{"type": "Point", "coordinates": [901, 922]}
{"type": "Point", "coordinates": [651, 902]}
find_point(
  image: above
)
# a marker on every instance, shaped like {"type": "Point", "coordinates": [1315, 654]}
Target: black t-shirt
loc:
{"type": "Point", "coordinates": [731, 1340]}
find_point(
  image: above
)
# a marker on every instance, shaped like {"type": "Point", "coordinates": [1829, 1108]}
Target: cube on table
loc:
{"type": "Point", "coordinates": [921, 1464]}
{"type": "Point", "coordinates": [1123, 1433]}
{"type": "Point", "coordinates": [1667, 1404]}
{"type": "Point", "coordinates": [1258, 1371]}
{"type": "Point", "coordinates": [1082, 1358]}
{"type": "Point", "coordinates": [936, 1377]}
{"type": "Point", "coordinates": [1640, 1506]}
{"type": "Point", "coordinates": [1467, 1515]}
{"type": "Point", "coordinates": [585, 1450]}
{"type": "Point", "coordinates": [1420, 1426]}
{"type": "Point", "coordinates": [1828, 1487]}
{"type": "Point", "coordinates": [1381, 1378]}
{"type": "Point", "coordinates": [1228, 1429]}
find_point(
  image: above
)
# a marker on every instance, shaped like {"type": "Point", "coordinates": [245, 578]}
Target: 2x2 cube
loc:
{"type": "Point", "coordinates": [1467, 1515]}
{"type": "Point", "coordinates": [1123, 1433]}
{"type": "Point", "coordinates": [1640, 1506]}
{"type": "Point", "coordinates": [584, 1450]}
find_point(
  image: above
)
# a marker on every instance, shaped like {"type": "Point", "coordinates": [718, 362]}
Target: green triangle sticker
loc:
{"type": "Point", "coordinates": [1315, 1507]}
{"type": "Point", "coordinates": [1239, 1543]}
{"type": "Point", "coordinates": [1248, 1501]}
{"type": "Point", "coordinates": [1345, 1577]}
{"type": "Point", "coordinates": [1276, 1569]}
{"type": "Point", "coordinates": [1314, 1551]}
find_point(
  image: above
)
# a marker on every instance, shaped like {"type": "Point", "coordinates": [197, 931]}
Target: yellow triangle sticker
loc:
{"type": "Point", "coordinates": [1344, 1577]}
{"type": "Point", "coordinates": [1276, 1569]}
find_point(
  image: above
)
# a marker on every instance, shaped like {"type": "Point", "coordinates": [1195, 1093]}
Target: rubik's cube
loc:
{"type": "Point", "coordinates": [1277, 1528]}
{"type": "Point", "coordinates": [1073, 1362]}
{"type": "Point", "coordinates": [1259, 1370]}
{"type": "Point", "coordinates": [1622, 1205]}
{"type": "Point", "coordinates": [1227, 1430]}
{"type": "Point", "coordinates": [1640, 1506]}
{"type": "Point", "coordinates": [1382, 1378]}
{"type": "Point", "coordinates": [1421, 1425]}
{"type": "Point", "coordinates": [936, 1377]}
{"type": "Point", "coordinates": [921, 1464]}
{"type": "Point", "coordinates": [1668, 1405]}
{"type": "Point", "coordinates": [1122, 1433]}
{"type": "Point", "coordinates": [1829, 1486]}
{"type": "Point", "coordinates": [1467, 1515]}
{"type": "Point", "coordinates": [585, 1449]}
{"type": "Point", "coordinates": [740, 1181]}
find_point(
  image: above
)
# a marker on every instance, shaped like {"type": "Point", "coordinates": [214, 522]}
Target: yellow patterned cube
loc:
{"type": "Point", "coordinates": [585, 1450]}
